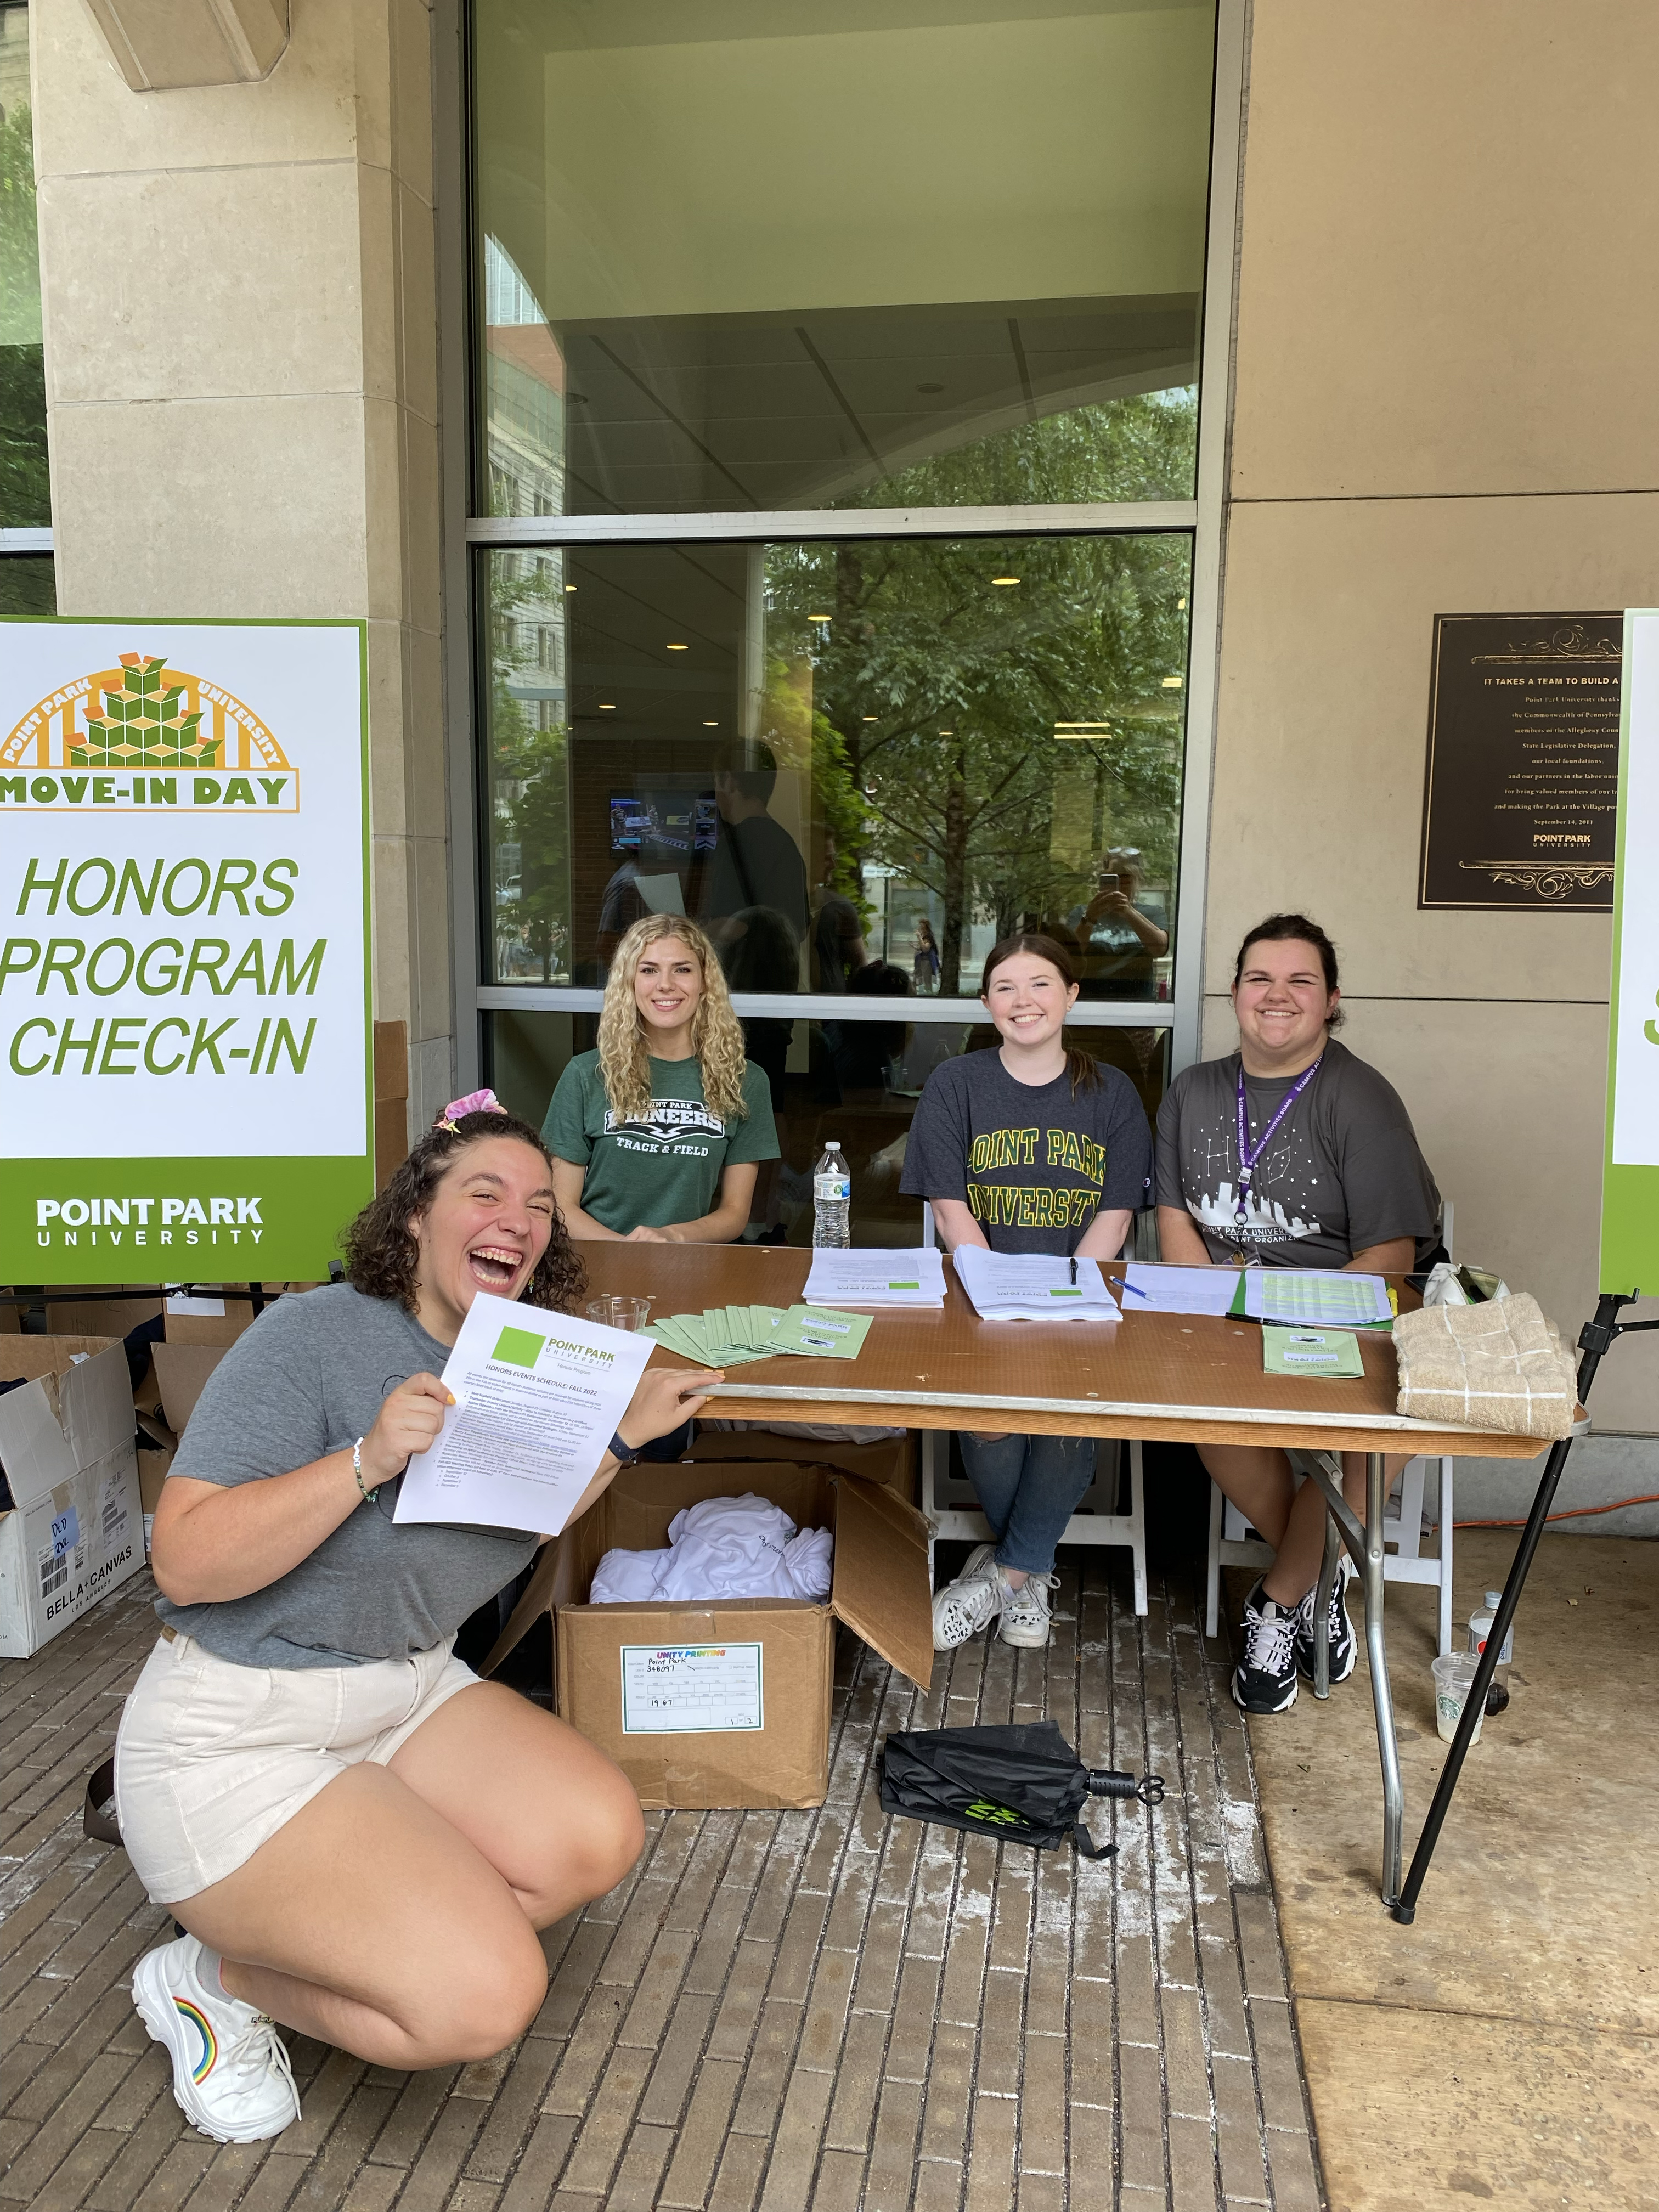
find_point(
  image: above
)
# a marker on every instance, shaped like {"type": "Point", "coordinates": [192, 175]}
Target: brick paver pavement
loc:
{"type": "Point", "coordinates": [776, 2010]}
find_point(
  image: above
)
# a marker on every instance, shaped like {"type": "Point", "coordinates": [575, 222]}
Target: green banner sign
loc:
{"type": "Point", "coordinates": [1630, 1184]}
{"type": "Point", "coordinates": [185, 1055]}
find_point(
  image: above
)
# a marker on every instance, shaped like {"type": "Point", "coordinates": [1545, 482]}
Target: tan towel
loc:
{"type": "Point", "coordinates": [1496, 1366]}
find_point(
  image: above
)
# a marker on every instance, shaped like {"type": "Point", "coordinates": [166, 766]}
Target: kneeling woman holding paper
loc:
{"type": "Point", "coordinates": [362, 1837]}
{"type": "Point", "coordinates": [1029, 1147]}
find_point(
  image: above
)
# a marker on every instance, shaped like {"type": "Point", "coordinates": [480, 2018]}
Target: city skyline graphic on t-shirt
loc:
{"type": "Point", "coordinates": [1285, 1167]}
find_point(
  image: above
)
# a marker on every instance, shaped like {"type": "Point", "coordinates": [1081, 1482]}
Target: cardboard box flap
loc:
{"type": "Point", "coordinates": [181, 1371]}
{"type": "Point", "coordinates": [882, 1589]}
{"type": "Point", "coordinates": [33, 1449]}
{"type": "Point", "coordinates": [85, 1395]}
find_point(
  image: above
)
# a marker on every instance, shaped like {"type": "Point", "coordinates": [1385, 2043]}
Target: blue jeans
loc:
{"type": "Point", "coordinates": [1029, 1486]}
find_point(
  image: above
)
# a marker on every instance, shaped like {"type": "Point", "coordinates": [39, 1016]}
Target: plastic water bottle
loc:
{"type": "Point", "coordinates": [832, 1199]}
{"type": "Point", "coordinates": [1480, 1628]}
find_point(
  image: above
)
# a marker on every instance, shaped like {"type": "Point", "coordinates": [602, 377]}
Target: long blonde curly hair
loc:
{"type": "Point", "coordinates": [716, 1033]}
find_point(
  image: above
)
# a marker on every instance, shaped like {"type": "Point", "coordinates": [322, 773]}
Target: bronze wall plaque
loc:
{"type": "Point", "coordinates": [1520, 801]}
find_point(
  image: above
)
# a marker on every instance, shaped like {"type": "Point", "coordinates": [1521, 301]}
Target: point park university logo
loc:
{"type": "Point", "coordinates": [144, 737]}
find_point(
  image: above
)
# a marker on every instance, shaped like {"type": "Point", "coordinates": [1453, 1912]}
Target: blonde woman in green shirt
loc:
{"type": "Point", "coordinates": [658, 1135]}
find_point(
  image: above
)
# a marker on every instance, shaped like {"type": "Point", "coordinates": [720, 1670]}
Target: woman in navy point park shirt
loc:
{"type": "Point", "coordinates": [1029, 1147]}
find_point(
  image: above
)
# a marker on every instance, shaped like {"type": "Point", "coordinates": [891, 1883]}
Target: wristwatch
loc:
{"type": "Point", "coordinates": [626, 1454]}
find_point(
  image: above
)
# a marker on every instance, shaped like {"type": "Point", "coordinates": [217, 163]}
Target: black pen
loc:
{"type": "Point", "coordinates": [1074, 1267]}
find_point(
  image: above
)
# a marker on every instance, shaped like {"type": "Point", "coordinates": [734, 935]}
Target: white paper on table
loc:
{"type": "Point", "coordinates": [1175, 1290]}
{"type": "Point", "coordinates": [538, 1397]}
{"type": "Point", "coordinates": [1031, 1286]}
{"type": "Point", "coordinates": [1322, 1296]}
{"type": "Point", "coordinates": [879, 1278]}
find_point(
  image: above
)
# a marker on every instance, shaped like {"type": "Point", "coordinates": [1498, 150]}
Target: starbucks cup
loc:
{"type": "Point", "coordinates": [1454, 1678]}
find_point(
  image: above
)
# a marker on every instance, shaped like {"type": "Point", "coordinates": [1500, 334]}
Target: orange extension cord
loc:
{"type": "Point", "coordinates": [1572, 1513]}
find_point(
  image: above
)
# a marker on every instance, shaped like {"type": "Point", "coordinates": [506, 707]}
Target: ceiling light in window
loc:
{"type": "Point", "coordinates": [679, 649]}
{"type": "Point", "coordinates": [1182, 604]}
{"type": "Point", "coordinates": [947, 733]}
{"type": "Point", "coordinates": [823, 618]}
{"type": "Point", "coordinates": [711, 725]}
{"type": "Point", "coordinates": [570, 587]}
{"type": "Point", "coordinates": [1005, 580]}
{"type": "Point", "coordinates": [607, 706]}
{"type": "Point", "coordinates": [870, 717]}
{"type": "Point", "coordinates": [1172, 683]}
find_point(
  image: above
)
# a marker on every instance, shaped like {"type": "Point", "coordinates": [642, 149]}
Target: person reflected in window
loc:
{"type": "Point", "coordinates": [864, 1051]}
{"type": "Point", "coordinates": [757, 864]}
{"type": "Point", "coordinates": [924, 962]}
{"type": "Point", "coordinates": [1290, 1153]}
{"type": "Point", "coordinates": [1121, 942]}
{"type": "Point", "coordinates": [838, 947]}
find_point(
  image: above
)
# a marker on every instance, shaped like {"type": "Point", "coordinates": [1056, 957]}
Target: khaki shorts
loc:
{"type": "Point", "coordinates": [211, 1758]}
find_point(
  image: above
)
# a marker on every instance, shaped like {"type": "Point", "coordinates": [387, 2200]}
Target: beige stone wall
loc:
{"type": "Point", "coordinates": [242, 385]}
{"type": "Point", "coordinates": [1443, 403]}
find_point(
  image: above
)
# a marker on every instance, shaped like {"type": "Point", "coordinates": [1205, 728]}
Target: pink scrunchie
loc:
{"type": "Point", "coordinates": [476, 1101]}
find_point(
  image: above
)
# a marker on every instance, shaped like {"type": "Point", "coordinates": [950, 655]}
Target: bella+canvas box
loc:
{"type": "Point", "coordinates": [726, 1702]}
{"type": "Point", "coordinates": [74, 1530]}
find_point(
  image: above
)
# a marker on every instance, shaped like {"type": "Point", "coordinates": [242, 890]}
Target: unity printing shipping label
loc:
{"type": "Point", "coordinates": [185, 997]}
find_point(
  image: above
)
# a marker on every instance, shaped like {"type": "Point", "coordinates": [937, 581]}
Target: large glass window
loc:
{"type": "Point", "coordinates": [25, 497]}
{"type": "Point", "coordinates": [857, 762]}
{"type": "Point", "coordinates": [893, 258]}
{"type": "Point", "coordinates": [755, 255]}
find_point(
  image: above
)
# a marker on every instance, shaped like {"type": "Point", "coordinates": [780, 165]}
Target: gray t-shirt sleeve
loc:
{"type": "Point", "coordinates": [936, 1156]}
{"type": "Point", "coordinates": [564, 1132]}
{"type": "Point", "coordinates": [1386, 1181]}
{"type": "Point", "coordinates": [1167, 1175]}
{"type": "Point", "coordinates": [1128, 1145]}
{"type": "Point", "coordinates": [262, 1410]}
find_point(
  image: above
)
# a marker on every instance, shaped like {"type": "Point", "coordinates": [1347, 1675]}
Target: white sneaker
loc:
{"type": "Point", "coordinates": [231, 2076]}
{"type": "Point", "coordinates": [971, 1602]}
{"type": "Point", "coordinates": [1025, 1613]}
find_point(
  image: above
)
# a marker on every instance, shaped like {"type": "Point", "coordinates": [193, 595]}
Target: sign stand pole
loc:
{"type": "Point", "coordinates": [1595, 1338]}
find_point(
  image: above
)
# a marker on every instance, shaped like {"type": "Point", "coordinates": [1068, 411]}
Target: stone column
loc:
{"type": "Point", "coordinates": [242, 393]}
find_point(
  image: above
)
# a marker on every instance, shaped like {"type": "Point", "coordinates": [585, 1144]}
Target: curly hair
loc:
{"type": "Point", "coordinates": [716, 1032]}
{"type": "Point", "coordinates": [381, 1254]}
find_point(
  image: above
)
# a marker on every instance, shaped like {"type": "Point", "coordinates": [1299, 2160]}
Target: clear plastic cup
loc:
{"type": "Point", "coordinates": [613, 1312]}
{"type": "Point", "coordinates": [1454, 1678]}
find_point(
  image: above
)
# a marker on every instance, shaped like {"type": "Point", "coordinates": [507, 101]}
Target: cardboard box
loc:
{"type": "Point", "coordinates": [75, 1532]}
{"type": "Point", "coordinates": [893, 1461]}
{"type": "Point", "coordinates": [772, 1659]}
{"type": "Point", "coordinates": [181, 1373]}
{"type": "Point", "coordinates": [113, 1316]}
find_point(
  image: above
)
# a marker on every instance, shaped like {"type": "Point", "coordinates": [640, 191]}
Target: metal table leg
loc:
{"type": "Point", "coordinates": [1365, 1546]}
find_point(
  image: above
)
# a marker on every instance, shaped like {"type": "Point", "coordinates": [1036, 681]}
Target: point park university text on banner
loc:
{"type": "Point", "coordinates": [185, 1009]}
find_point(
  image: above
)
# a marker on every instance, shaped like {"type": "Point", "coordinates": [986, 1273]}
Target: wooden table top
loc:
{"type": "Point", "coordinates": [1177, 1377]}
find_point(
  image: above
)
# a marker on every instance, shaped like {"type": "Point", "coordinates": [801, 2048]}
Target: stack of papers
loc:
{"type": "Point", "coordinates": [877, 1278]}
{"type": "Point", "coordinates": [1031, 1286]}
{"type": "Point", "coordinates": [725, 1336]}
{"type": "Point", "coordinates": [1315, 1294]}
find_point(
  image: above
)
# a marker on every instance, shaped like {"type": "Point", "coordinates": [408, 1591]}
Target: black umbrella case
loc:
{"type": "Point", "coordinates": [1021, 1784]}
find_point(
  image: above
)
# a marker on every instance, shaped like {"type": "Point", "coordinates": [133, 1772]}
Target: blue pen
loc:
{"type": "Point", "coordinates": [1133, 1289]}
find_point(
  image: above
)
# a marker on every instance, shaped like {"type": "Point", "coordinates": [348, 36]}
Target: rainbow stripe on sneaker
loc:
{"type": "Point", "coordinates": [203, 2027]}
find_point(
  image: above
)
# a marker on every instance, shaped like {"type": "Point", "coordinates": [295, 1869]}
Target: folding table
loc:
{"type": "Point", "coordinates": [1175, 1377]}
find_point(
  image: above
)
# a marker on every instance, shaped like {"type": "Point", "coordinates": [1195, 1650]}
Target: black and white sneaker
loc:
{"type": "Point", "coordinates": [1264, 1680]}
{"type": "Point", "coordinates": [1345, 1650]}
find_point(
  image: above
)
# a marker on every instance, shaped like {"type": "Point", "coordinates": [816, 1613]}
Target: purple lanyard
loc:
{"type": "Point", "coordinates": [1249, 1154]}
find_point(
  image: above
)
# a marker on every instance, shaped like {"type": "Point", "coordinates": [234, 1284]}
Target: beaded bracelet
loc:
{"type": "Point", "coordinates": [369, 1496]}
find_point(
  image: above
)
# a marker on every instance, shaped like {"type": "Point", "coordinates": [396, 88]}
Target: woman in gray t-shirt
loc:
{"type": "Point", "coordinates": [362, 1837]}
{"type": "Point", "coordinates": [1289, 1153]}
{"type": "Point", "coordinates": [1030, 1147]}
